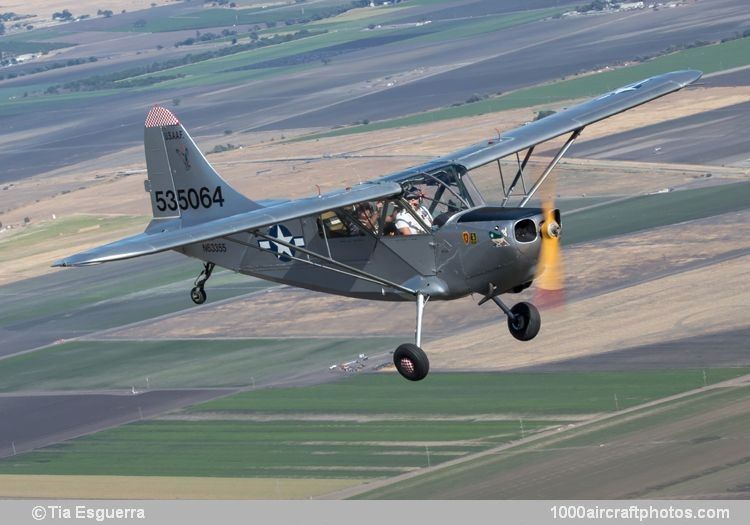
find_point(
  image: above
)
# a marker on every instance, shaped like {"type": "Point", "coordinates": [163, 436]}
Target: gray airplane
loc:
{"type": "Point", "coordinates": [425, 233]}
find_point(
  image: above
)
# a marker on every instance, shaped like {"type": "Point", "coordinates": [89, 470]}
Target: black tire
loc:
{"type": "Point", "coordinates": [527, 322]}
{"type": "Point", "coordinates": [198, 295]}
{"type": "Point", "coordinates": [411, 362]}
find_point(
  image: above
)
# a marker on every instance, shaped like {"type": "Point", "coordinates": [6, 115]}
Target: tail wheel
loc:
{"type": "Point", "coordinates": [411, 362]}
{"type": "Point", "coordinates": [198, 295]}
{"type": "Point", "coordinates": [525, 323]}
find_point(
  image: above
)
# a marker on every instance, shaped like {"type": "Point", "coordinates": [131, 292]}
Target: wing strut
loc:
{"type": "Point", "coordinates": [555, 161]}
{"type": "Point", "coordinates": [350, 270]}
{"type": "Point", "coordinates": [519, 175]}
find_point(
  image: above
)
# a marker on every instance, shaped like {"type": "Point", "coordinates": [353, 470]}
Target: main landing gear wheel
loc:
{"type": "Point", "coordinates": [198, 295]}
{"type": "Point", "coordinates": [411, 362]}
{"type": "Point", "coordinates": [525, 323]}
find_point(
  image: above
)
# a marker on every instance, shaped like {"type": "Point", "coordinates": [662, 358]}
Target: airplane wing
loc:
{"type": "Point", "coordinates": [572, 119]}
{"type": "Point", "coordinates": [158, 241]}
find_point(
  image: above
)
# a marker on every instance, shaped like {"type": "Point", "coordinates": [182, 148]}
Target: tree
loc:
{"type": "Point", "coordinates": [64, 15]}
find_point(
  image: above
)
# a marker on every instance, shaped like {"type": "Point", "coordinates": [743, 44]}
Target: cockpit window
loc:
{"type": "Point", "coordinates": [428, 201]}
{"type": "Point", "coordinates": [443, 193]}
{"type": "Point", "coordinates": [350, 221]}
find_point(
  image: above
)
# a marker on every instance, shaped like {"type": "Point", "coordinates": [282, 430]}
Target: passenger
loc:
{"type": "Point", "coordinates": [367, 217]}
{"type": "Point", "coordinates": [406, 224]}
{"type": "Point", "coordinates": [351, 227]}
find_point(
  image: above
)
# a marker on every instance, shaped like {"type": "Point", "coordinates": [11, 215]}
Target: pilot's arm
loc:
{"type": "Point", "coordinates": [402, 225]}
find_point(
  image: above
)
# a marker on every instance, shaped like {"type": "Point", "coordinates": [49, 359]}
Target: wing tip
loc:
{"type": "Point", "coordinates": [75, 261]}
{"type": "Point", "coordinates": [64, 263]}
{"type": "Point", "coordinates": [159, 116]}
{"type": "Point", "coordinates": [686, 77]}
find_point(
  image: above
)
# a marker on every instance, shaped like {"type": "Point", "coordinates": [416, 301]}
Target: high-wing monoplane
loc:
{"type": "Point", "coordinates": [425, 233]}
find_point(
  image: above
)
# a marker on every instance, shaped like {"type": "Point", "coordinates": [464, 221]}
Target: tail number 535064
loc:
{"type": "Point", "coordinates": [188, 198]}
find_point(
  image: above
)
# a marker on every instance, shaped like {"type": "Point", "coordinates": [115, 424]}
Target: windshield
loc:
{"type": "Point", "coordinates": [442, 191]}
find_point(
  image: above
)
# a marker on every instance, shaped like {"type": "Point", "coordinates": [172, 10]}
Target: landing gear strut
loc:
{"type": "Point", "coordinates": [410, 360]}
{"type": "Point", "coordinates": [524, 320]}
{"type": "Point", "coordinates": [198, 294]}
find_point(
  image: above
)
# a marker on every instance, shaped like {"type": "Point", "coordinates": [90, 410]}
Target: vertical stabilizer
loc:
{"type": "Point", "coordinates": [181, 181]}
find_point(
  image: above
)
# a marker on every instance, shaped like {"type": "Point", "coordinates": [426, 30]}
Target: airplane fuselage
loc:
{"type": "Point", "coordinates": [475, 248]}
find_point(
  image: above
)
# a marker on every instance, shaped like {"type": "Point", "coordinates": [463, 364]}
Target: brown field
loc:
{"type": "Point", "coordinates": [44, 9]}
{"type": "Point", "coordinates": [157, 487]}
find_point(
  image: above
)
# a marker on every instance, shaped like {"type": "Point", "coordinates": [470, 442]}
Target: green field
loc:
{"type": "Point", "coordinates": [211, 18]}
{"type": "Point", "coordinates": [484, 474]}
{"type": "Point", "coordinates": [708, 59]}
{"type": "Point", "coordinates": [652, 211]}
{"type": "Point", "coordinates": [23, 47]}
{"type": "Point", "coordinates": [676, 410]}
{"type": "Point", "coordinates": [450, 29]}
{"type": "Point", "coordinates": [531, 394]}
{"type": "Point", "coordinates": [267, 449]}
{"type": "Point", "coordinates": [12, 101]}
{"type": "Point", "coordinates": [176, 364]}
{"type": "Point", "coordinates": [366, 426]}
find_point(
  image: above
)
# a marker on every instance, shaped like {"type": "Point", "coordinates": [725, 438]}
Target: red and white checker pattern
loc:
{"type": "Point", "coordinates": [159, 116]}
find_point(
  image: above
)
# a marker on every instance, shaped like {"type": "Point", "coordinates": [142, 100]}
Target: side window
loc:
{"type": "Point", "coordinates": [351, 221]}
{"type": "Point", "coordinates": [331, 225]}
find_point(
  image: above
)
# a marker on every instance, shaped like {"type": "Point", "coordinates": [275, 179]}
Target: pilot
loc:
{"type": "Point", "coordinates": [405, 222]}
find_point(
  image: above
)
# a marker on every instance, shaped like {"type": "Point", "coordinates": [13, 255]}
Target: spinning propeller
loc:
{"type": "Point", "coordinates": [550, 290]}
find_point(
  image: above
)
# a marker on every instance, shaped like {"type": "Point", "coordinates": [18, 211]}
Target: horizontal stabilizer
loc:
{"type": "Point", "coordinates": [155, 240]}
